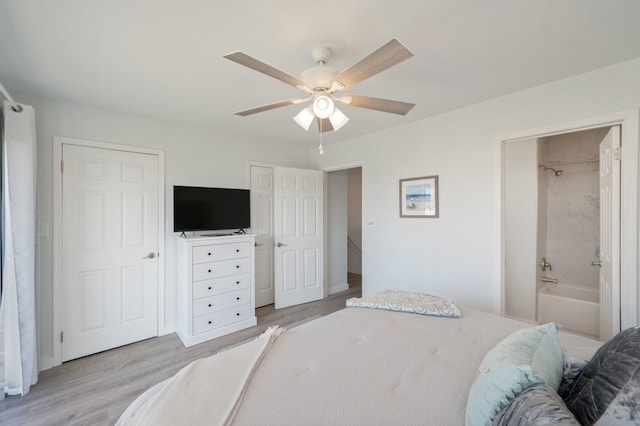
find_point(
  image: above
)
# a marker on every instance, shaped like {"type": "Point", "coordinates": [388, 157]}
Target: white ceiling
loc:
{"type": "Point", "coordinates": [163, 58]}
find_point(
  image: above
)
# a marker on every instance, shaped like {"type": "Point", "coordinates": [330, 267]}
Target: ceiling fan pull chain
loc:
{"type": "Point", "coordinates": [320, 147]}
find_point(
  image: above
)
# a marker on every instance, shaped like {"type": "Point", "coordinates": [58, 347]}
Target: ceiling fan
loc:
{"type": "Point", "coordinates": [322, 83]}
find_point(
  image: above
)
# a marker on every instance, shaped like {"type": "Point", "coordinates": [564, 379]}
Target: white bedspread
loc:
{"type": "Point", "coordinates": [358, 367]}
{"type": "Point", "coordinates": [373, 367]}
{"type": "Point", "coordinates": [208, 391]}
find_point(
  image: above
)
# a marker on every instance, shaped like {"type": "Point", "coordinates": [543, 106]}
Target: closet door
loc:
{"type": "Point", "coordinates": [110, 249]}
{"type": "Point", "coordinates": [299, 236]}
{"type": "Point", "coordinates": [262, 227]}
{"type": "Point", "coordinates": [520, 223]}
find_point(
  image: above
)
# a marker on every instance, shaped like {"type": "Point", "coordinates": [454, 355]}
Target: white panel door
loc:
{"type": "Point", "coordinates": [262, 227]}
{"type": "Point", "coordinates": [298, 231]}
{"type": "Point", "coordinates": [610, 235]}
{"type": "Point", "coordinates": [110, 247]}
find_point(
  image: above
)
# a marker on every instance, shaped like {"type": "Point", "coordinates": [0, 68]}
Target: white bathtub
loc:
{"type": "Point", "coordinates": [575, 309]}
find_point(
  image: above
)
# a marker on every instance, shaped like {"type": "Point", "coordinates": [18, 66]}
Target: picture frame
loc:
{"type": "Point", "coordinates": [419, 197]}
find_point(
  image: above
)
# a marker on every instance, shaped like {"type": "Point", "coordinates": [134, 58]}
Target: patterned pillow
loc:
{"type": "Point", "coordinates": [407, 301]}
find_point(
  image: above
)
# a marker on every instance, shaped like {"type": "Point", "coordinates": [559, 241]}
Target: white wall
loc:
{"type": "Point", "coordinates": [354, 220]}
{"type": "Point", "coordinates": [193, 157]}
{"type": "Point", "coordinates": [458, 254]}
{"type": "Point", "coordinates": [354, 195]}
{"type": "Point", "coordinates": [520, 208]}
{"type": "Point", "coordinates": [337, 231]}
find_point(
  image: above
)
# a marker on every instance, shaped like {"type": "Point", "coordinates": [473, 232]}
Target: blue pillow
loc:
{"type": "Point", "coordinates": [526, 357]}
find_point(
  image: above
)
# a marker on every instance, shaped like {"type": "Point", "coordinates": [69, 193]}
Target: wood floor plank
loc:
{"type": "Point", "coordinates": [96, 389]}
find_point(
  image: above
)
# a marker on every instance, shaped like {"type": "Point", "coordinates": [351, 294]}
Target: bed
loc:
{"type": "Point", "coordinates": [355, 366]}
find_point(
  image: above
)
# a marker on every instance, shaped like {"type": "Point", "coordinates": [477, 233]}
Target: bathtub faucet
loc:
{"type": "Point", "coordinates": [548, 280]}
{"type": "Point", "coordinates": [545, 265]}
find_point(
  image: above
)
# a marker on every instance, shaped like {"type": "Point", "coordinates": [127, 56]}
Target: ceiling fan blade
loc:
{"type": "Point", "coordinates": [384, 58]}
{"type": "Point", "coordinates": [254, 64]}
{"type": "Point", "coordinates": [269, 106]}
{"type": "Point", "coordinates": [384, 105]}
{"type": "Point", "coordinates": [326, 124]}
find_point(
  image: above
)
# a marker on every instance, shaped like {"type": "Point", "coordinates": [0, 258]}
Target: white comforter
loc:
{"type": "Point", "coordinates": [372, 367]}
{"type": "Point", "coordinates": [207, 391]}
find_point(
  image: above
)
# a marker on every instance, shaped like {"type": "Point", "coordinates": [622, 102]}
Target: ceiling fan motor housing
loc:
{"type": "Point", "coordinates": [319, 77]}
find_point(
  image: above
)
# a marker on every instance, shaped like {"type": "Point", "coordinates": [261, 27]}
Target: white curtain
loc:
{"type": "Point", "coordinates": [18, 336]}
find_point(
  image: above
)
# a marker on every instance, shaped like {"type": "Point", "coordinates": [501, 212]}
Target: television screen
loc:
{"type": "Point", "coordinates": [209, 209]}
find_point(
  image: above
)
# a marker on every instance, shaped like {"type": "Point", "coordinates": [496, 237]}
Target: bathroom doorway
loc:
{"type": "Point", "coordinates": [563, 241]}
{"type": "Point", "coordinates": [568, 275]}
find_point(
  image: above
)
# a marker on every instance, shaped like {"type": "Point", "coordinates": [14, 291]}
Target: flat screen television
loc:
{"type": "Point", "coordinates": [210, 209]}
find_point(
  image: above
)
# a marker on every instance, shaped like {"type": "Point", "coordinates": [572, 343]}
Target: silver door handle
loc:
{"type": "Point", "coordinates": [598, 264]}
{"type": "Point", "coordinates": [257, 244]}
{"type": "Point", "coordinates": [150, 256]}
{"type": "Point", "coordinates": [281, 244]}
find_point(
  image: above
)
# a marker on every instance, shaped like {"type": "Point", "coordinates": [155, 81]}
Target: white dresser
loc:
{"type": "Point", "coordinates": [215, 286]}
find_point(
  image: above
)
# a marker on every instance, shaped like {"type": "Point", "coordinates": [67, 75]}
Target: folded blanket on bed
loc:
{"type": "Point", "coordinates": [407, 301]}
{"type": "Point", "coordinates": [208, 391]}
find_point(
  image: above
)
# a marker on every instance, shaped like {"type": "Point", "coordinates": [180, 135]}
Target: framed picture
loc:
{"type": "Point", "coordinates": [419, 197]}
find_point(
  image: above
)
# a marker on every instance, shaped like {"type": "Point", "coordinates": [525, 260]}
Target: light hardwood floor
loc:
{"type": "Point", "coordinates": [95, 390]}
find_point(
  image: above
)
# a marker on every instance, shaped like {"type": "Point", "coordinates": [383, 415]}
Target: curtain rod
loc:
{"type": "Point", "coordinates": [14, 104]}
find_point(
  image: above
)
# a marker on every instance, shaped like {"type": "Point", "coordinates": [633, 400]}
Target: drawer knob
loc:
{"type": "Point", "coordinates": [237, 298]}
{"type": "Point", "coordinates": [209, 304]}
{"type": "Point", "coordinates": [238, 314]}
{"type": "Point", "coordinates": [209, 322]}
{"type": "Point", "coordinates": [209, 254]}
{"type": "Point", "coordinates": [237, 266]}
{"type": "Point", "coordinates": [237, 282]}
{"type": "Point", "coordinates": [237, 250]}
{"type": "Point", "coordinates": [209, 287]}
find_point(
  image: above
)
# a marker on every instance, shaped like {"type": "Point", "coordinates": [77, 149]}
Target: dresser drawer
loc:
{"type": "Point", "coordinates": [220, 252]}
{"type": "Point", "coordinates": [207, 305]}
{"type": "Point", "coordinates": [219, 319]}
{"type": "Point", "coordinates": [221, 285]}
{"type": "Point", "coordinates": [203, 271]}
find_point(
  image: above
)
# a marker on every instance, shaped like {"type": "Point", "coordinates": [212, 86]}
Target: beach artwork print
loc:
{"type": "Point", "coordinates": [419, 197]}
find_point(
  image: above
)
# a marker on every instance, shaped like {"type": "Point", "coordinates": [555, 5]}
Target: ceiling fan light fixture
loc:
{"type": "Point", "coordinates": [323, 106]}
{"type": "Point", "coordinates": [304, 118]}
{"type": "Point", "coordinates": [338, 119]}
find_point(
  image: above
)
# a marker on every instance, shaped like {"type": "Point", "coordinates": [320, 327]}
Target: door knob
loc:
{"type": "Point", "coordinates": [281, 244]}
{"type": "Point", "coordinates": [150, 256]}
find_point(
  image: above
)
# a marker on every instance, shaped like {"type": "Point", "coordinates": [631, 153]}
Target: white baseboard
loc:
{"type": "Point", "coordinates": [338, 288]}
{"type": "Point", "coordinates": [45, 363]}
{"type": "Point", "coordinates": [166, 330]}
